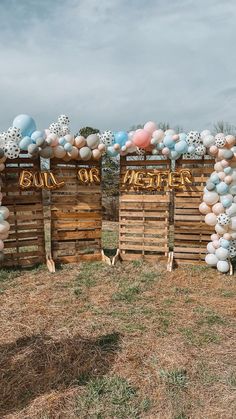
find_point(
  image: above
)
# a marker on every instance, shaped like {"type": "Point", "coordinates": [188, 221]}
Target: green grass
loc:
{"type": "Point", "coordinates": [111, 397]}
{"type": "Point", "coordinates": [208, 316]}
{"type": "Point", "coordinates": [176, 378]}
{"type": "Point", "coordinates": [227, 293]}
{"type": "Point", "coordinates": [127, 294]}
{"type": "Point", "coordinates": [199, 338]}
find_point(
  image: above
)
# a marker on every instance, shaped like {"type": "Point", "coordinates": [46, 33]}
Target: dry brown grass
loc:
{"type": "Point", "coordinates": [169, 336]}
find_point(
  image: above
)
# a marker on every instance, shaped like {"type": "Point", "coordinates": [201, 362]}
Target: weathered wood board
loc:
{"type": "Point", "coordinates": [25, 245]}
{"type": "Point", "coordinates": [76, 215]}
{"type": "Point", "coordinates": [143, 215]}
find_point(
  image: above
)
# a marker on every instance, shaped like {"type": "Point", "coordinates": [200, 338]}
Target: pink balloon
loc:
{"type": "Point", "coordinates": [230, 140]}
{"type": "Point", "coordinates": [128, 144]}
{"type": "Point", "coordinates": [176, 137]}
{"type": "Point", "coordinates": [47, 132]}
{"type": "Point", "coordinates": [116, 147]}
{"type": "Point", "coordinates": [204, 208]}
{"type": "Point", "coordinates": [216, 244]}
{"type": "Point", "coordinates": [218, 208]}
{"type": "Point", "coordinates": [213, 150]}
{"type": "Point", "coordinates": [221, 175]}
{"type": "Point", "coordinates": [218, 167]}
{"type": "Point", "coordinates": [150, 127]}
{"type": "Point", "coordinates": [228, 179]}
{"type": "Point", "coordinates": [142, 138]}
{"type": "Point", "coordinates": [101, 147]}
{"type": "Point", "coordinates": [224, 163]}
{"type": "Point", "coordinates": [211, 219]}
{"type": "Point", "coordinates": [215, 237]}
{"type": "Point", "coordinates": [54, 142]}
{"type": "Point", "coordinates": [227, 236]}
{"type": "Point", "coordinates": [165, 151]}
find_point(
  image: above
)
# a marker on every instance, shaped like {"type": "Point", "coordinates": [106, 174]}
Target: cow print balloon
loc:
{"type": "Point", "coordinates": [232, 249]}
{"type": "Point", "coordinates": [63, 120]}
{"type": "Point", "coordinates": [220, 140]}
{"type": "Point", "coordinates": [11, 150]}
{"type": "Point", "coordinates": [223, 219]}
{"type": "Point", "coordinates": [107, 138]}
{"type": "Point", "coordinates": [193, 138]}
{"type": "Point", "coordinates": [64, 130]}
{"type": "Point", "coordinates": [200, 150]}
{"type": "Point", "coordinates": [55, 128]}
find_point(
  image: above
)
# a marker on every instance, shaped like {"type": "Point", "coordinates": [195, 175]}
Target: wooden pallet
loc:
{"type": "Point", "coordinates": [191, 234]}
{"type": "Point", "coordinates": [25, 245]}
{"type": "Point", "coordinates": [143, 216]}
{"type": "Point", "coordinates": [76, 215]}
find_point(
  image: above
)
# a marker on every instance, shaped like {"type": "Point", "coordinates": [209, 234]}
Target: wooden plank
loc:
{"type": "Point", "coordinates": [76, 214]}
{"type": "Point", "coordinates": [25, 245]}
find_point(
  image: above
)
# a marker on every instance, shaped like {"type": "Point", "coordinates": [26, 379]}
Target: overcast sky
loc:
{"type": "Point", "coordinates": [114, 63]}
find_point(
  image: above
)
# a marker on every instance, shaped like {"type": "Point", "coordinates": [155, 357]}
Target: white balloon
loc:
{"type": "Point", "coordinates": [211, 248]}
{"type": "Point", "coordinates": [221, 229]}
{"type": "Point", "coordinates": [211, 260]}
{"type": "Point", "coordinates": [231, 211]}
{"type": "Point", "coordinates": [223, 266]}
{"type": "Point", "coordinates": [208, 141]}
{"type": "Point", "coordinates": [210, 198]}
{"type": "Point", "coordinates": [221, 253]}
{"type": "Point", "coordinates": [5, 212]}
{"type": "Point", "coordinates": [205, 132]}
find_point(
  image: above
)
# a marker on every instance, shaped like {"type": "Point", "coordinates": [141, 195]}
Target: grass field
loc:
{"type": "Point", "coordinates": [129, 341]}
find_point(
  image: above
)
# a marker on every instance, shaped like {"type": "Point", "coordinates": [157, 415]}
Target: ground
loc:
{"type": "Point", "coordinates": [129, 341]}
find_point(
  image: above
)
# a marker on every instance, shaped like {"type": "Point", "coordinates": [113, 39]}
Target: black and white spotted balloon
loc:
{"type": "Point", "coordinates": [193, 138]}
{"type": "Point", "coordinates": [11, 150]}
{"type": "Point", "coordinates": [232, 249]}
{"type": "Point", "coordinates": [107, 138]}
{"type": "Point", "coordinates": [55, 128]}
{"type": "Point", "coordinates": [63, 120]}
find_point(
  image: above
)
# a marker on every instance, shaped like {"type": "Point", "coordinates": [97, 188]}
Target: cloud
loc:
{"type": "Point", "coordinates": [115, 64]}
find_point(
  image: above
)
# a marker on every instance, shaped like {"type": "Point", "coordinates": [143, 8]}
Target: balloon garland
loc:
{"type": "Point", "coordinates": [219, 199]}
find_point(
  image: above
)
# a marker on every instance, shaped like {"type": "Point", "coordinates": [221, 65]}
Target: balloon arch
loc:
{"type": "Point", "coordinates": [219, 198]}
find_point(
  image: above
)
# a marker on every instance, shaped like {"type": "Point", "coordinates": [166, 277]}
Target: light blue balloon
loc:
{"type": "Point", "coordinates": [25, 123]}
{"type": "Point", "coordinates": [160, 146]}
{"type": "Point", "coordinates": [169, 142]}
{"type": "Point", "coordinates": [111, 152]}
{"type": "Point", "coordinates": [226, 202]}
{"type": "Point", "coordinates": [228, 170]}
{"type": "Point", "coordinates": [121, 137]}
{"type": "Point", "coordinates": [210, 186]}
{"type": "Point", "coordinates": [222, 188]}
{"type": "Point", "coordinates": [68, 147]}
{"type": "Point", "coordinates": [215, 178]}
{"type": "Point", "coordinates": [224, 243]}
{"type": "Point", "coordinates": [191, 149]}
{"type": "Point", "coordinates": [62, 141]}
{"type": "Point", "coordinates": [222, 198]}
{"type": "Point", "coordinates": [181, 147]}
{"type": "Point", "coordinates": [174, 155]}
{"type": "Point", "coordinates": [24, 143]}
{"type": "Point", "coordinates": [182, 136]}
{"type": "Point", "coordinates": [233, 149]}
{"type": "Point", "coordinates": [38, 134]}
{"type": "Point", "coordinates": [1, 217]}
{"type": "Point", "coordinates": [233, 189]}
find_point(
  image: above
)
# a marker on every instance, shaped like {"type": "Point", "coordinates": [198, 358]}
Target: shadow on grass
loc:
{"type": "Point", "coordinates": [34, 365]}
